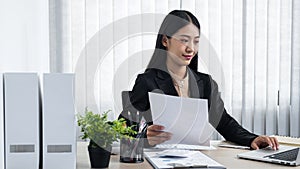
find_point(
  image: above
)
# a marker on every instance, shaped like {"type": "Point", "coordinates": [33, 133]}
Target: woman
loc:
{"type": "Point", "coordinates": [172, 70]}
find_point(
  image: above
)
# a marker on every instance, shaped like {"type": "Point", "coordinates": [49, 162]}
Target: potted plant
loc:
{"type": "Point", "coordinates": [101, 133]}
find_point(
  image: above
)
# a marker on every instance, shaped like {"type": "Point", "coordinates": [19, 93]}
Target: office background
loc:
{"type": "Point", "coordinates": [251, 48]}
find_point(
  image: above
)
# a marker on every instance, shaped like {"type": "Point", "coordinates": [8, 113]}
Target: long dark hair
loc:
{"type": "Point", "coordinates": [174, 21]}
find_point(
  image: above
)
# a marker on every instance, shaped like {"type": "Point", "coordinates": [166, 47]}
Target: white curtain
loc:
{"type": "Point", "coordinates": [250, 47]}
{"type": "Point", "coordinates": [24, 36]}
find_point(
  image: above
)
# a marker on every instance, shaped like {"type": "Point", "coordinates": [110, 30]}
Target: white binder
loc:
{"type": "Point", "coordinates": [21, 106]}
{"type": "Point", "coordinates": [59, 123]}
{"type": "Point", "coordinates": [1, 123]}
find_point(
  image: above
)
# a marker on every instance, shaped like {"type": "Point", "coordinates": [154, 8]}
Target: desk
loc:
{"type": "Point", "coordinates": [225, 156]}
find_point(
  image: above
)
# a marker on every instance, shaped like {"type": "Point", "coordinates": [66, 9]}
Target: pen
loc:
{"type": "Point", "coordinates": [137, 117]}
{"type": "Point", "coordinates": [137, 120]}
{"type": "Point", "coordinates": [130, 118]}
{"type": "Point", "coordinates": [139, 136]}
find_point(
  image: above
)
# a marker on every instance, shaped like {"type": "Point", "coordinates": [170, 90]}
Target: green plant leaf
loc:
{"type": "Point", "coordinates": [100, 131]}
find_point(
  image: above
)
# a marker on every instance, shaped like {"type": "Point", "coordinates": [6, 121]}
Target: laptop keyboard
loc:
{"type": "Point", "coordinates": [290, 155]}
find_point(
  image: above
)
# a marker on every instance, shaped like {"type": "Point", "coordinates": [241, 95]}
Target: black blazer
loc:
{"type": "Point", "coordinates": [200, 86]}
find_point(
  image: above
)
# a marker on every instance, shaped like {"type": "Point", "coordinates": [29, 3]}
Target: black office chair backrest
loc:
{"type": "Point", "coordinates": [125, 99]}
{"type": "Point", "coordinates": [131, 119]}
{"type": "Point", "coordinates": [128, 107]}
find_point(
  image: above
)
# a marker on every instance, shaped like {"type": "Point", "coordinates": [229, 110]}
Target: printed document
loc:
{"type": "Point", "coordinates": [185, 118]}
{"type": "Point", "coordinates": [181, 159]}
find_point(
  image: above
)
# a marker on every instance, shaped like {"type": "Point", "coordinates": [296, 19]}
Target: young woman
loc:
{"type": "Point", "coordinates": [172, 70]}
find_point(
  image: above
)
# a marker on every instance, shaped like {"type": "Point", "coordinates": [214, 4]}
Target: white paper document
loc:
{"type": "Point", "coordinates": [181, 159]}
{"type": "Point", "coordinates": [184, 147]}
{"type": "Point", "coordinates": [185, 118]}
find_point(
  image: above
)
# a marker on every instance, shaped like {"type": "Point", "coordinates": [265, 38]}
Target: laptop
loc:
{"type": "Point", "coordinates": [286, 155]}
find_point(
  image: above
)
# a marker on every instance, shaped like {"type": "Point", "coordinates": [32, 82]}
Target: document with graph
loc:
{"type": "Point", "coordinates": [181, 159]}
{"type": "Point", "coordinates": [185, 118]}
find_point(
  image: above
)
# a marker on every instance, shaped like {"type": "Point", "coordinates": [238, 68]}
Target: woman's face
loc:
{"type": "Point", "coordinates": [182, 46]}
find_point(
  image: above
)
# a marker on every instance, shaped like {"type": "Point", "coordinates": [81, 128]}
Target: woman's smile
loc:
{"type": "Point", "coordinates": [188, 57]}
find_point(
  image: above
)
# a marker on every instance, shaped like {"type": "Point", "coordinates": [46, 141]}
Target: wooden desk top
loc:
{"type": "Point", "coordinates": [225, 156]}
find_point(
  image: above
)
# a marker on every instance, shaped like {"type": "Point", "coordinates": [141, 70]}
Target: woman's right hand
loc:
{"type": "Point", "coordinates": [156, 135]}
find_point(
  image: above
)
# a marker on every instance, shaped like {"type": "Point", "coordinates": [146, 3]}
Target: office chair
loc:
{"type": "Point", "coordinates": [129, 113]}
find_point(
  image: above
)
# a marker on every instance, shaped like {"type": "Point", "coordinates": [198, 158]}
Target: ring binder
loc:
{"type": "Point", "coordinates": [1, 123]}
{"type": "Point", "coordinates": [59, 123]}
{"type": "Point", "coordinates": [22, 127]}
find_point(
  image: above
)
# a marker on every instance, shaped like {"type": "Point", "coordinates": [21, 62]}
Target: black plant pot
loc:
{"type": "Point", "coordinates": [99, 157]}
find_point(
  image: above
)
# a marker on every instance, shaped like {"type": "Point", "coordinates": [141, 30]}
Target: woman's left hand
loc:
{"type": "Point", "coordinates": [264, 141]}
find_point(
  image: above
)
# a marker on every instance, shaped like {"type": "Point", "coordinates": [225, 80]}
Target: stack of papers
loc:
{"type": "Point", "coordinates": [185, 118]}
{"type": "Point", "coordinates": [294, 141]}
{"type": "Point", "coordinates": [228, 144]}
{"type": "Point", "coordinates": [180, 158]}
{"type": "Point", "coordinates": [184, 147]}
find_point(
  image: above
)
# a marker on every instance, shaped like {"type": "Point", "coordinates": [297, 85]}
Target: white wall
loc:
{"type": "Point", "coordinates": [24, 35]}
